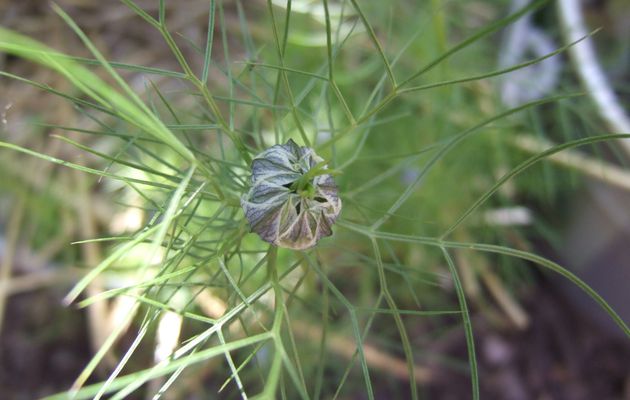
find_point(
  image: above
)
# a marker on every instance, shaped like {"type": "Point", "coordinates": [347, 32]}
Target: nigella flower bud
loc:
{"type": "Point", "coordinates": [293, 202]}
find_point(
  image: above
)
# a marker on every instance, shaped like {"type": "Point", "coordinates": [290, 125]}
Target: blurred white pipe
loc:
{"type": "Point", "coordinates": [167, 336]}
{"type": "Point", "coordinates": [585, 59]}
{"type": "Point", "coordinates": [520, 40]}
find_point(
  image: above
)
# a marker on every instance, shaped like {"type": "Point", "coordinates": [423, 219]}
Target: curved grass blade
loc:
{"type": "Point", "coordinates": [497, 72]}
{"type": "Point", "coordinates": [494, 249]}
{"type": "Point", "coordinates": [208, 52]}
{"type": "Point", "coordinates": [280, 49]}
{"type": "Point", "coordinates": [355, 325]}
{"type": "Point", "coordinates": [523, 166]}
{"type": "Point", "coordinates": [377, 44]}
{"type": "Point", "coordinates": [404, 338]}
{"type": "Point", "coordinates": [468, 330]}
{"type": "Point", "coordinates": [473, 38]}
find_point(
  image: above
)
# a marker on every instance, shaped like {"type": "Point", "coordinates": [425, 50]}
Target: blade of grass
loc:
{"type": "Point", "coordinates": [377, 44]}
{"type": "Point", "coordinates": [331, 68]}
{"type": "Point", "coordinates": [404, 338]}
{"type": "Point", "coordinates": [280, 46]}
{"type": "Point", "coordinates": [209, 41]}
{"type": "Point", "coordinates": [127, 66]}
{"type": "Point", "coordinates": [116, 160]}
{"type": "Point", "coordinates": [468, 329]}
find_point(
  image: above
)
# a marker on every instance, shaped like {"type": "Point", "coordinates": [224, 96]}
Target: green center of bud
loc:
{"type": "Point", "coordinates": [307, 191]}
{"type": "Point", "coordinates": [304, 186]}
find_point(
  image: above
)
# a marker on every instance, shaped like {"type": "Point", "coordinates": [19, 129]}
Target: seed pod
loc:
{"type": "Point", "coordinates": [292, 201]}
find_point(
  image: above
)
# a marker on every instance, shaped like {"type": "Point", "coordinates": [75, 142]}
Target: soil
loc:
{"type": "Point", "coordinates": [562, 355]}
{"type": "Point", "coordinates": [43, 346]}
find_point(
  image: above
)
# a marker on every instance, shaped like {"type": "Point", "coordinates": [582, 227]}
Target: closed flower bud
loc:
{"type": "Point", "coordinates": [293, 201]}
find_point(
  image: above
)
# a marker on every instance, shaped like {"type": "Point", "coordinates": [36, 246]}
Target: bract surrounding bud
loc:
{"type": "Point", "coordinates": [292, 202]}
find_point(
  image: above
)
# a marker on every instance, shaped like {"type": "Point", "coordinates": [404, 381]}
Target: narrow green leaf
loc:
{"type": "Point", "coordinates": [468, 329]}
